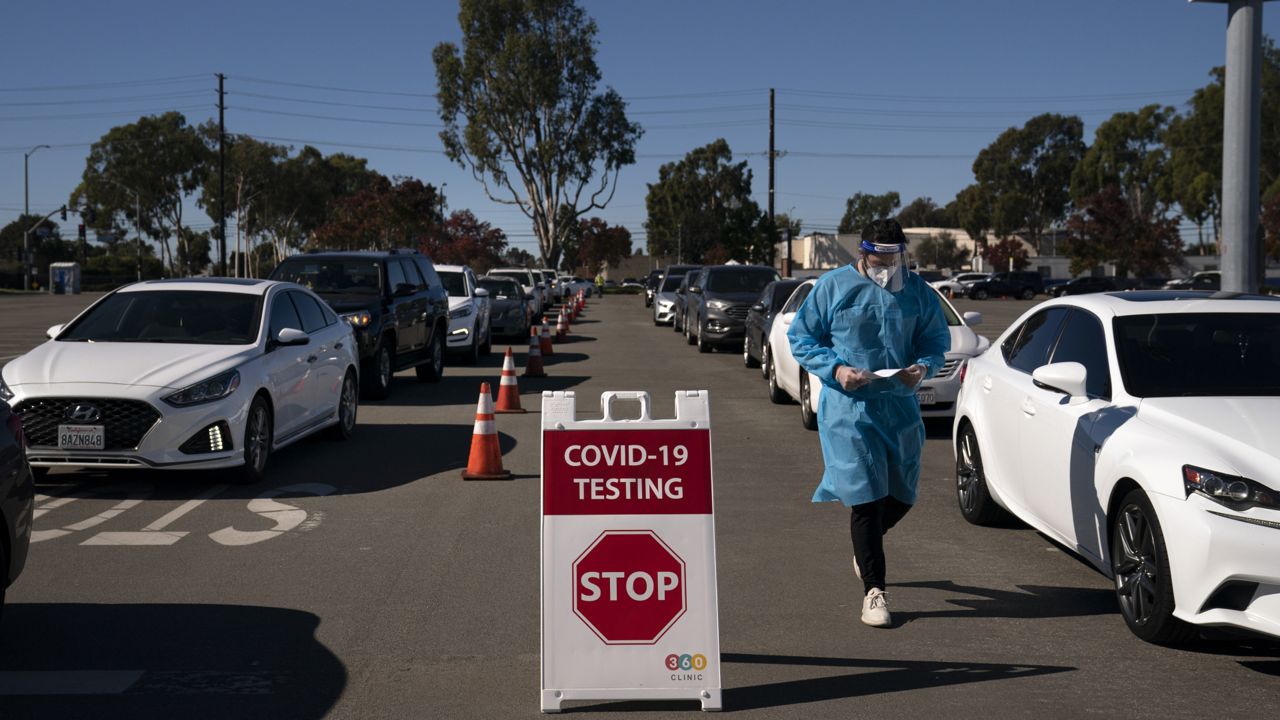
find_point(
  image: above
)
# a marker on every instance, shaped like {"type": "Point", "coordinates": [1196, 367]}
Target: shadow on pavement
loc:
{"type": "Point", "coordinates": [937, 428]}
{"type": "Point", "coordinates": [1034, 601]}
{"type": "Point", "coordinates": [873, 677]}
{"type": "Point", "coordinates": [164, 661]}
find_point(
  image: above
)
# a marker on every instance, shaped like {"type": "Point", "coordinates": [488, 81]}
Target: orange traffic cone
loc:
{"type": "Point", "coordinates": [508, 389]}
{"type": "Point", "coordinates": [485, 462]}
{"type": "Point", "coordinates": [533, 365]}
{"type": "Point", "coordinates": [562, 327]}
{"type": "Point", "coordinates": [544, 342]}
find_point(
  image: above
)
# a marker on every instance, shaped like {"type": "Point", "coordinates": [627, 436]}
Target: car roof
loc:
{"type": "Point", "coordinates": [451, 268]}
{"type": "Point", "coordinates": [1154, 302]}
{"type": "Point", "coordinates": [243, 286]}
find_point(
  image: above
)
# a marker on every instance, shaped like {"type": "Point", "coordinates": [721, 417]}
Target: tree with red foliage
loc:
{"type": "Point", "coordinates": [998, 254]}
{"type": "Point", "coordinates": [465, 240]}
{"type": "Point", "coordinates": [1106, 228]}
{"type": "Point", "coordinates": [602, 244]}
{"type": "Point", "coordinates": [381, 216]}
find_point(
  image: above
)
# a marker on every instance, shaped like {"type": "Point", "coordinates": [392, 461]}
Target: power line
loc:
{"type": "Point", "coordinates": [334, 117]}
{"type": "Point", "coordinates": [991, 99]}
{"type": "Point", "coordinates": [103, 115]}
{"type": "Point", "coordinates": [91, 101]}
{"type": "Point", "coordinates": [395, 108]}
{"type": "Point", "coordinates": [93, 86]}
{"type": "Point", "coordinates": [361, 91]}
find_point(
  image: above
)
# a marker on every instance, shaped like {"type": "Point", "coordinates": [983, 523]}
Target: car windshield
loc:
{"type": "Point", "coordinates": [454, 283]}
{"type": "Point", "coordinates": [948, 312]}
{"type": "Point", "coordinates": [190, 317]}
{"type": "Point", "coordinates": [744, 280]}
{"type": "Point", "coordinates": [671, 283]}
{"type": "Point", "coordinates": [332, 276]}
{"type": "Point", "coordinates": [1199, 354]}
{"type": "Point", "coordinates": [500, 289]}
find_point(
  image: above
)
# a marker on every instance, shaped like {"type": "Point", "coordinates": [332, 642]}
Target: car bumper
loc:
{"type": "Point", "coordinates": [460, 333]}
{"type": "Point", "coordinates": [1222, 563]}
{"type": "Point", "coordinates": [663, 313]}
{"type": "Point", "coordinates": [159, 445]}
{"type": "Point", "coordinates": [945, 388]}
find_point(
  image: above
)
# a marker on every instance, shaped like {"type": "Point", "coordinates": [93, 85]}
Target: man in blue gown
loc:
{"type": "Point", "coordinates": [873, 315]}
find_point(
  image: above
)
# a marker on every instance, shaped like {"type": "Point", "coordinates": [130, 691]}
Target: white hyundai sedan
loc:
{"type": "Point", "coordinates": [937, 395]}
{"type": "Point", "coordinates": [1139, 430]}
{"type": "Point", "coordinates": [186, 374]}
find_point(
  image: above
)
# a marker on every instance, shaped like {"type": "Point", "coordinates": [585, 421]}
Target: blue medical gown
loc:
{"type": "Point", "coordinates": [871, 437]}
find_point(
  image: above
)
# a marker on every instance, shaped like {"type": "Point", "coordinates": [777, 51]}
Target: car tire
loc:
{"type": "Point", "coordinates": [471, 355]}
{"type": "Point", "coordinates": [675, 322]}
{"type": "Point", "coordinates": [747, 359]}
{"type": "Point", "coordinates": [979, 294]}
{"type": "Point", "coordinates": [1026, 294]}
{"type": "Point", "coordinates": [808, 417]}
{"type": "Point", "coordinates": [703, 345]}
{"type": "Point", "coordinates": [1140, 566]}
{"type": "Point", "coordinates": [381, 371]}
{"type": "Point", "coordinates": [433, 369]}
{"type": "Point", "coordinates": [348, 405]}
{"type": "Point", "coordinates": [689, 338]}
{"type": "Point", "coordinates": [487, 347]}
{"type": "Point", "coordinates": [975, 501]}
{"type": "Point", "coordinates": [258, 434]}
{"type": "Point", "coordinates": [764, 359]}
{"type": "Point", "coordinates": [776, 394]}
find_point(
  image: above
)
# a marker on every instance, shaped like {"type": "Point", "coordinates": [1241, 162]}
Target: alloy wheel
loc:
{"type": "Point", "coordinates": [1137, 565]}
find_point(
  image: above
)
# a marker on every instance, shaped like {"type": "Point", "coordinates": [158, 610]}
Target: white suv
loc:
{"type": "Point", "coordinates": [469, 332]}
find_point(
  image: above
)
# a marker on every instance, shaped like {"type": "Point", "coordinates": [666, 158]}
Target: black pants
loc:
{"type": "Point", "coordinates": [867, 525]}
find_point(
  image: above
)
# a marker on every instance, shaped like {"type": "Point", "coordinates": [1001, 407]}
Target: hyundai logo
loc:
{"type": "Point", "coordinates": [84, 413]}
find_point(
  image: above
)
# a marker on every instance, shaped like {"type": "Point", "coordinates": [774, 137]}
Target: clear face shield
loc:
{"type": "Point", "coordinates": [885, 264]}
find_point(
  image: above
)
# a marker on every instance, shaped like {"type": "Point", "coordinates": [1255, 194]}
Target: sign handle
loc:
{"type": "Point", "coordinates": [607, 398]}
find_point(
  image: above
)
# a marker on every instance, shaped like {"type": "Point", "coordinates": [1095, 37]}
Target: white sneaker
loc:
{"type": "Point", "coordinates": [875, 609]}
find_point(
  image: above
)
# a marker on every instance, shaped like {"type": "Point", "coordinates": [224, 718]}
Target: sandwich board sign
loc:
{"type": "Point", "coordinates": [628, 554]}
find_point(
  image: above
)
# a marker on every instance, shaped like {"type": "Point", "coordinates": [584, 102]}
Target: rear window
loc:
{"type": "Point", "coordinates": [500, 289]}
{"type": "Point", "coordinates": [672, 282]}
{"type": "Point", "coordinates": [337, 276]}
{"type": "Point", "coordinates": [745, 280]}
{"type": "Point", "coordinates": [519, 276]}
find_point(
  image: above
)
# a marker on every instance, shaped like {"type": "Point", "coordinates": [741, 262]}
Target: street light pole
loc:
{"type": "Point", "coordinates": [26, 210]}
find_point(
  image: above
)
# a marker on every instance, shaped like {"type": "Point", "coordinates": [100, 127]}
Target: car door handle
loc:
{"type": "Point", "coordinates": [311, 359]}
{"type": "Point", "coordinates": [1028, 407]}
{"type": "Point", "coordinates": [337, 346]}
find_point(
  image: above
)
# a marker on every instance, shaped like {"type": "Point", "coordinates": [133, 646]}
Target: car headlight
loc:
{"type": "Point", "coordinates": [5, 393]}
{"type": "Point", "coordinates": [717, 304]}
{"type": "Point", "coordinates": [1231, 491]}
{"type": "Point", "coordinates": [215, 388]}
{"type": "Point", "coordinates": [461, 312]}
{"type": "Point", "coordinates": [358, 319]}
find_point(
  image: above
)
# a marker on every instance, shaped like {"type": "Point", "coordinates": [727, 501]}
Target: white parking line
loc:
{"type": "Point", "coordinates": [67, 682]}
{"type": "Point", "coordinates": [55, 505]}
{"type": "Point", "coordinates": [154, 534]}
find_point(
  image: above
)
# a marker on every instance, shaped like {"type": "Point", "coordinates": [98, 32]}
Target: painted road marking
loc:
{"type": "Point", "coordinates": [135, 498]}
{"type": "Point", "coordinates": [285, 516]}
{"type": "Point", "coordinates": [155, 534]}
{"type": "Point", "coordinates": [54, 505]}
{"type": "Point", "coordinates": [67, 682]}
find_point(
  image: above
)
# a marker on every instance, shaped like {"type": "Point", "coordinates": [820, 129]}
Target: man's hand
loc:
{"type": "Point", "coordinates": [852, 378]}
{"type": "Point", "coordinates": [911, 376]}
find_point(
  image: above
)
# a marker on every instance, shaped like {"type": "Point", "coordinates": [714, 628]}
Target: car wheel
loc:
{"type": "Point", "coordinates": [257, 444]}
{"type": "Point", "coordinates": [1026, 294]}
{"type": "Point", "coordinates": [688, 332]}
{"type": "Point", "coordinates": [808, 417]}
{"type": "Point", "coordinates": [472, 355]}
{"type": "Point", "coordinates": [976, 504]}
{"type": "Point", "coordinates": [764, 360]}
{"type": "Point", "coordinates": [347, 407]}
{"type": "Point", "coordinates": [776, 394]}
{"type": "Point", "coordinates": [1140, 564]}
{"type": "Point", "coordinates": [433, 369]}
{"type": "Point", "coordinates": [747, 359]}
{"type": "Point", "coordinates": [487, 347]}
{"type": "Point", "coordinates": [979, 294]}
{"type": "Point", "coordinates": [703, 345]}
{"type": "Point", "coordinates": [675, 322]}
{"type": "Point", "coordinates": [381, 371]}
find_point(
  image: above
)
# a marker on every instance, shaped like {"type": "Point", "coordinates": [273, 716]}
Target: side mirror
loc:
{"type": "Point", "coordinates": [972, 318]}
{"type": "Point", "coordinates": [53, 331]}
{"type": "Point", "coordinates": [759, 307]}
{"type": "Point", "coordinates": [1067, 378]}
{"type": "Point", "coordinates": [482, 293]}
{"type": "Point", "coordinates": [695, 290]}
{"type": "Point", "coordinates": [289, 337]}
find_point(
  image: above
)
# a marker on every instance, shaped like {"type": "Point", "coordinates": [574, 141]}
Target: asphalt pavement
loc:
{"type": "Point", "coordinates": [365, 579]}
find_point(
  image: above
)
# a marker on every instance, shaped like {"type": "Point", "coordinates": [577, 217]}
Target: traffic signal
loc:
{"type": "Point", "coordinates": [81, 231]}
{"type": "Point", "coordinates": [64, 213]}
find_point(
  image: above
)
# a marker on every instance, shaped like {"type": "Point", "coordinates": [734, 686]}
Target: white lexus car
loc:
{"type": "Point", "coordinates": [937, 395]}
{"type": "Point", "coordinates": [179, 374]}
{"type": "Point", "coordinates": [469, 311]}
{"type": "Point", "coordinates": [1141, 430]}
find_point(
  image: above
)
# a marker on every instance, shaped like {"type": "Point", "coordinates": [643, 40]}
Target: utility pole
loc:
{"type": "Point", "coordinates": [26, 210]}
{"type": "Point", "coordinates": [222, 178]}
{"type": "Point", "coordinates": [786, 264]}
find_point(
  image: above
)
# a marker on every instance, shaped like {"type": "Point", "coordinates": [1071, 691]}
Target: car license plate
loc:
{"type": "Point", "coordinates": [926, 397]}
{"type": "Point", "coordinates": [81, 437]}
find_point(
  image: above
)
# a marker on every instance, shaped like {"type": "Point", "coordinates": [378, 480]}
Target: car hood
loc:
{"type": "Point", "coordinates": [1240, 429]}
{"type": "Point", "coordinates": [168, 365]}
{"type": "Point", "coordinates": [665, 296]}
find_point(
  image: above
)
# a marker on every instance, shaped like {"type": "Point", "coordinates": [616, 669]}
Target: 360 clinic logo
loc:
{"type": "Point", "coordinates": [686, 662]}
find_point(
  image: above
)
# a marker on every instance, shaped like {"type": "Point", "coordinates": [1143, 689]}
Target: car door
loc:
{"type": "Point", "coordinates": [483, 306]}
{"type": "Point", "coordinates": [288, 373]}
{"type": "Point", "coordinates": [321, 400]}
{"type": "Point", "coordinates": [785, 366]}
{"type": "Point", "coordinates": [408, 308]}
{"type": "Point", "coordinates": [694, 300]}
{"type": "Point", "coordinates": [1004, 384]}
{"type": "Point", "coordinates": [1057, 440]}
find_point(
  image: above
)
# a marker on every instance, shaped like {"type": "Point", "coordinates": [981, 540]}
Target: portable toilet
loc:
{"type": "Point", "coordinates": [64, 278]}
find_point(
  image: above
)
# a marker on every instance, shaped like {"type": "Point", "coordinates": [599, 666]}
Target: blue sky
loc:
{"type": "Point", "coordinates": [937, 80]}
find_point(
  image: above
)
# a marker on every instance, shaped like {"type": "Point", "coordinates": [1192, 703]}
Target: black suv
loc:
{"type": "Point", "coordinates": [1023, 285]}
{"type": "Point", "coordinates": [718, 302]}
{"type": "Point", "coordinates": [395, 301]}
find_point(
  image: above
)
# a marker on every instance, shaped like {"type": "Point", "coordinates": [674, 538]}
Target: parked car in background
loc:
{"type": "Point", "coordinates": [469, 313]}
{"type": "Point", "coordinates": [17, 499]}
{"type": "Point", "coordinates": [573, 284]}
{"type": "Point", "coordinates": [760, 319]}
{"type": "Point", "coordinates": [720, 301]}
{"type": "Point", "coordinates": [394, 300]}
{"type": "Point", "coordinates": [958, 284]}
{"type": "Point", "coordinates": [533, 287]}
{"type": "Point", "coordinates": [554, 291]}
{"type": "Point", "coordinates": [1203, 280]}
{"type": "Point", "coordinates": [509, 314]}
{"type": "Point", "coordinates": [1085, 285]}
{"type": "Point", "coordinates": [680, 307]}
{"type": "Point", "coordinates": [1137, 429]}
{"type": "Point", "coordinates": [186, 374]}
{"type": "Point", "coordinates": [937, 395]}
{"type": "Point", "coordinates": [632, 283]}
{"type": "Point", "coordinates": [651, 285]}
{"type": "Point", "coordinates": [1022, 284]}
{"type": "Point", "coordinates": [930, 276]}
{"type": "Point", "coordinates": [666, 294]}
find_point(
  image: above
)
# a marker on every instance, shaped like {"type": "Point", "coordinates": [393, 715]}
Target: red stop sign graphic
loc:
{"type": "Point", "coordinates": [628, 587]}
